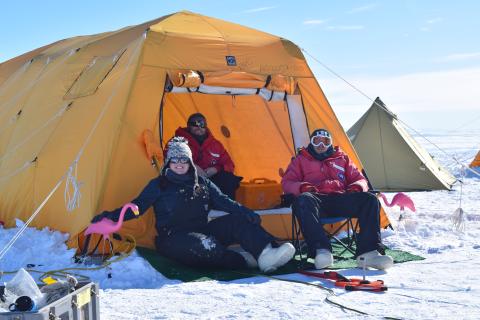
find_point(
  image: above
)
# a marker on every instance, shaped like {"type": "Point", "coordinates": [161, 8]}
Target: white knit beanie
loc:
{"type": "Point", "coordinates": [178, 148]}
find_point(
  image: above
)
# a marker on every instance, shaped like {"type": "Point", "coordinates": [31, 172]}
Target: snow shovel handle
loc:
{"type": "Point", "coordinates": [366, 288]}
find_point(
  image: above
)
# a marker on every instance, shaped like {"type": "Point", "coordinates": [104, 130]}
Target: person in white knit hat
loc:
{"type": "Point", "coordinates": [181, 201]}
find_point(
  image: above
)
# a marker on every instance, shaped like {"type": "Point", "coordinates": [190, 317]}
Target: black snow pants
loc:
{"type": "Point", "coordinates": [227, 182]}
{"type": "Point", "coordinates": [310, 207]}
{"type": "Point", "coordinates": [207, 246]}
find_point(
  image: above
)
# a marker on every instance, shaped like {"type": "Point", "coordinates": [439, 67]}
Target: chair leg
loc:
{"type": "Point", "coordinates": [298, 243]}
{"type": "Point", "coordinates": [351, 238]}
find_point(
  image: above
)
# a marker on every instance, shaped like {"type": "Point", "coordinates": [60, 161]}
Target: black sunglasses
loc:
{"type": "Point", "coordinates": [179, 160]}
{"type": "Point", "coordinates": [197, 123]}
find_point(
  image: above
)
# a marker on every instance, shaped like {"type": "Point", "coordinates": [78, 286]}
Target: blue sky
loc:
{"type": "Point", "coordinates": [420, 57]}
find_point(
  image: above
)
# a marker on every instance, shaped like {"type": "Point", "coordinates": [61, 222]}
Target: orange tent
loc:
{"type": "Point", "coordinates": [476, 161]}
{"type": "Point", "coordinates": [73, 114]}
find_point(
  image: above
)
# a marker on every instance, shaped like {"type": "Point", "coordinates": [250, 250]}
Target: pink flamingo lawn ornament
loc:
{"type": "Point", "coordinates": [401, 200]}
{"type": "Point", "coordinates": [105, 227]}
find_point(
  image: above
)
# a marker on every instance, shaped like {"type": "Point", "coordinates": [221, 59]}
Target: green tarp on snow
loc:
{"type": "Point", "coordinates": [174, 270]}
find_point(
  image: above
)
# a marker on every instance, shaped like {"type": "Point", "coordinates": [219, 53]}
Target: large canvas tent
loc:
{"type": "Point", "coordinates": [73, 113]}
{"type": "Point", "coordinates": [392, 159]}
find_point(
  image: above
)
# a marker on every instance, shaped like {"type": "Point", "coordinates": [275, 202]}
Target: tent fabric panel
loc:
{"type": "Point", "coordinates": [192, 41]}
{"type": "Point", "coordinates": [16, 90]}
{"type": "Point", "coordinates": [353, 132]}
{"type": "Point", "coordinates": [170, 52]}
{"type": "Point", "coordinates": [33, 115]}
{"type": "Point", "coordinates": [31, 110]}
{"type": "Point", "coordinates": [368, 143]}
{"type": "Point", "coordinates": [390, 164]}
{"type": "Point", "coordinates": [13, 97]}
{"type": "Point", "coordinates": [234, 79]}
{"type": "Point", "coordinates": [64, 145]}
{"type": "Point", "coordinates": [9, 67]}
{"type": "Point", "coordinates": [16, 195]}
{"type": "Point", "coordinates": [440, 177]}
{"type": "Point", "coordinates": [109, 43]}
{"type": "Point", "coordinates": [393, 160]}
{"type": "Point", "coordinates": [92, 76]}
{"type": "Point", "coordinates": [259, 132]}
{"type": "Point", "coordinates": [130, 169]}
{"type": "Point", "coordinates": [402, 166]}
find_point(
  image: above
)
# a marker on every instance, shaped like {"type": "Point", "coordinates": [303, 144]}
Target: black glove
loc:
{"type": "Point", "coordinates": [253, 218]}
{"type": "Point", "coordinates": [100, 216]}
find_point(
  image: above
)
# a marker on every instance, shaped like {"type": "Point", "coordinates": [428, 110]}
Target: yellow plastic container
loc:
{"type": "Point", "coordinates": [259, 194]}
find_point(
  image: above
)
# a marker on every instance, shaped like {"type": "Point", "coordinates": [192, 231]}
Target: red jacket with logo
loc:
{"type": "Point", "coordinates": [210, 153]}
{"type": "Point", "coordinates": [334, 174]}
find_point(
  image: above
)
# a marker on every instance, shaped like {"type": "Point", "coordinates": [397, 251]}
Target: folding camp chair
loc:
{"type": "Point", "coordinates": [345, 223]}
{"type": "Point", "coordinates": [331, 232]}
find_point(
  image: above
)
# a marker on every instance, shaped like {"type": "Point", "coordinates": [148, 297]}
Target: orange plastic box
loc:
{"type": "Point", "coordinates": [259, 193]}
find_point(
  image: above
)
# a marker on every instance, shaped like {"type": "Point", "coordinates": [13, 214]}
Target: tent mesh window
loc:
{"type": "Point", "coordinates": [92, 76]}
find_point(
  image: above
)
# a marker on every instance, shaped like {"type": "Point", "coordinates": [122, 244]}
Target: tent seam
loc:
{"type": "Point", "coordinates": [117, 139]}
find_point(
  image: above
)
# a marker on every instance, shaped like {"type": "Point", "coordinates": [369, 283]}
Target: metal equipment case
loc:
{"type": "Point", "coordinates": [82, 304]}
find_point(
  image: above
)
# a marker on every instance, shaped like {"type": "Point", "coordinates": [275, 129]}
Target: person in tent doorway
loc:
{"type": "Point", "coordinates": [209, 155]}
{"type": "Point", "coordinates": [182, 200]}
{"type": "Point", "coordinates": [327, 184]}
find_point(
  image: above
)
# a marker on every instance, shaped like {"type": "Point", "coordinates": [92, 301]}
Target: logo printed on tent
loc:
{"type": "Point", "coordinates": [231, 61]}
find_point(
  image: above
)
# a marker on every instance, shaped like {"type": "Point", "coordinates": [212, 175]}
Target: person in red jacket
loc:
{"type": "Point", "coordinates": [209, 155]}
{"type": "Point", "coordinates": [327, 184]}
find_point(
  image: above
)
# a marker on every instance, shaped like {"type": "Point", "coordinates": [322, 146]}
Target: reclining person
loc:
{"type": "Point", "coordinates": [181, 201]}
{"type": "Point", "coordinates": [327, 184]}
{"type": "Point", "coordinates": [211, 158]}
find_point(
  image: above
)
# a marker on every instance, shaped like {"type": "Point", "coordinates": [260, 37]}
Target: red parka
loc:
{"type": "Point", "coordinates": [210, 154]}
{"type": "Point", "coordinates": [335, 174]}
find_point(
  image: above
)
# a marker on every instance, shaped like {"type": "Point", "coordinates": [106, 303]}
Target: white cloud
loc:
{"type": "Point", "coordinates": [312, 22]}
{"type": "Point", "coordinates": [434, 20]}
{"type": "Point", "coordinates": [364, 8]}
{"type": "Point", "coordinates": [429, 24]}
{"type": "Point", "coordinates": [346, 28]}
{"type": "Point", "coordinates": [259, 9]}
{"type": "Point", "coordinates": [459, 57]}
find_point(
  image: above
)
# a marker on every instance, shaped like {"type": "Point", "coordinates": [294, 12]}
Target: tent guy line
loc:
{"type": "Point", "coordinates": [22, 229]}
{"type": "Point", "coordinates": [395, 116]}
{"type": "Point", "coordinates": [467, 123]}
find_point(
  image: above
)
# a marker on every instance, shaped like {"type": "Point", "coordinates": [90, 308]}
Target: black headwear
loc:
{"type": "Point", "coordinates": [195, 117]}
{"type": "Point", "coordinates": [321, 132]}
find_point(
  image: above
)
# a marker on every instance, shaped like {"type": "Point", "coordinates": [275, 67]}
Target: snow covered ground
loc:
{"type": "Point", "coordinates": [446, 285]}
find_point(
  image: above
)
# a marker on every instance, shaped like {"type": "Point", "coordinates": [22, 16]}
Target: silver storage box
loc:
{"type": "Point", "coordinates": [82, 304]}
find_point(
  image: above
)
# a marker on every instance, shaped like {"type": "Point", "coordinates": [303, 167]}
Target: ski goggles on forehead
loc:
{"type": "Point", "coordinates": [180, 160]}
{"type": "Point", "coordinates": [321, 139]}
{"type": "Point", "coordinates": [197, 123]}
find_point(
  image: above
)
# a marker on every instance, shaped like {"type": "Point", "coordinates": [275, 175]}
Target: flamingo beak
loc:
{"type": "Point", "coordinates": [135, 211]}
